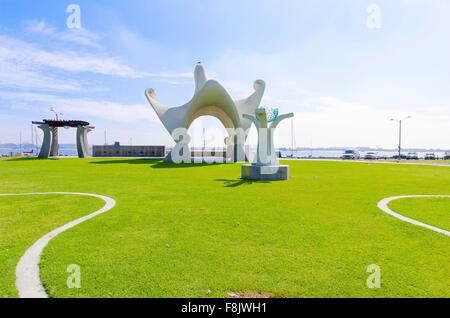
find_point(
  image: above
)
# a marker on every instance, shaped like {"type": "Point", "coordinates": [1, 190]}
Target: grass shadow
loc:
{"type": "Point", "coordinates": [233, 183]}
{"type": "Point", "coordinates": [21, 159]}
{"type": "Point", "coordinates": [133, 161]}
{"type": "Point", "coordinates": [171, 165]}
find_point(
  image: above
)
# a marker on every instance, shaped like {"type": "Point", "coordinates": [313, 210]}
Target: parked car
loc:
{"type": "Point", "coordinates": [412, 156]}
{"type": "Point", "coordinates": [402, 156]}
{"type": "Point", "coordinates": [371, 156]}
{"type": "Point", "coordinates": [351, 154]}
{"type": "Point", "coordinates": [430, 156]}
{"type": "Point", "coordinates": [447, 155]}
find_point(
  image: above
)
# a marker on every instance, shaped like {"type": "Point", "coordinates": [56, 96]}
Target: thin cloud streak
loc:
{"type": "Point", "coordinates": [78, 36]}
{"type": "Point", "coordinates": [27, 54]}
{"type": "Point", "coordinates": [85, 107]}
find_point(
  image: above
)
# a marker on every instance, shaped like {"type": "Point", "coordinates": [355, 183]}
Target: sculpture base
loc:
{"type": "Point", "coordinates": [265, 173]}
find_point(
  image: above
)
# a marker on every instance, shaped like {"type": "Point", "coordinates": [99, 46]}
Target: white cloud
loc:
{"type": "Point", "coordinates": [17, 75]}
{"type": "Point", "coordinates": [41, 27]}
{"type": "Point", "coordinates": [171, 75]}
{"type": "Point", "coordinates": [30, 55]}
{"type": "Point", "coordinates": [26, 65]}
{"type": "Point", "coordinates": [78, 36]}
{"type": "Point", "coordinates": [84, 107]}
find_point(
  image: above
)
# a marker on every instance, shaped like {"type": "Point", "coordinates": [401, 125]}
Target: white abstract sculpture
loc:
{"type": "Point", "coordinates": [210, 99]}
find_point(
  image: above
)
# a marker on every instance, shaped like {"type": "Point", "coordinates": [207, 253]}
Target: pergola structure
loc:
{"type": "Point", "coordinates": [50, 146]}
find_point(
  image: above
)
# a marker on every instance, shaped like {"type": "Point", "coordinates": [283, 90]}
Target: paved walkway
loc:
{"type": "Point", "coordinates": [28, 282]}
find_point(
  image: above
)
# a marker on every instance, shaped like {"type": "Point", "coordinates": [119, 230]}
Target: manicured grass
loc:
{"type": "Point", "coordinates": [433, 211]}
{"type": "Point", "coordinates": [420, 161]}
{"type": "Point", "coordinates": [199, 231]}
{"type": "Point", "coordinates": [24, 219]}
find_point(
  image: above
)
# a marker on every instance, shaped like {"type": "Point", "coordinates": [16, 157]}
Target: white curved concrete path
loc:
{"type": "Point", "coordinates": [383, 205]}
{"type": "Point", "coordinates": [28, 282]}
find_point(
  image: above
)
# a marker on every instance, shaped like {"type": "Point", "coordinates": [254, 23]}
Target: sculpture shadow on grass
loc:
{"type": "Point", "coordinates": [170, 165]}
{"type": "Point", "coordinates": [233, 183]}
{"type": "Point", "coordinates": [126, 161]}
{"type": "Point", "coordinates": [154, 163]}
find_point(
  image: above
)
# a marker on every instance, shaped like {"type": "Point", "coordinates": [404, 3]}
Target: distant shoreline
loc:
{"type": "Point", "coordinates": [12, 146]}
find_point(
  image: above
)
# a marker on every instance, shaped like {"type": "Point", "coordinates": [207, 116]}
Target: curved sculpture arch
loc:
{"type": "Point", "coordinates": [210, 99]}
{"type": "Point", "coordinates": [216, 112]}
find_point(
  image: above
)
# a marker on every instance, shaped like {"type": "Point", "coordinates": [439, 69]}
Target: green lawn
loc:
{"type": "Point", "coordinates": [433, 211]}
{"type": "Point", "coordinates": [420, 161]}
{"type": "Point", "coordinates": [199, 231]}
{"type": "Point", "coordinates": [25, 219]}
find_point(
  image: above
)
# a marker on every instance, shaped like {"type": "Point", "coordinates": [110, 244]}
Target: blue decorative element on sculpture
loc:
{"type": "Point", "coordinates": [272, 113]}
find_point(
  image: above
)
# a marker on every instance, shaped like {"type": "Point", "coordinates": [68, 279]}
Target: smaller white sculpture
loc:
{"type": "Point", "coordinates": [266, 166]}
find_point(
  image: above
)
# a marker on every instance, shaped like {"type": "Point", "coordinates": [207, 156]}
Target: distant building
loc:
{"type": "Point", "coordinates": [117, 150]}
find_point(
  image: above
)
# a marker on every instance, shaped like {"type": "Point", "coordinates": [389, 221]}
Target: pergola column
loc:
{"type": "Point", "coordinates": [82, 141]}
{"type": "Point", "coordinates": [54, 152]}
{"type": "Point", "coordinates": [44, 153]}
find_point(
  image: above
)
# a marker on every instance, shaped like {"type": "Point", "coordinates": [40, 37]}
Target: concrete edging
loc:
{"type": "Point", "coordinates": [383, 205]}
{"type": "Point", "coordinates": [28, 282]}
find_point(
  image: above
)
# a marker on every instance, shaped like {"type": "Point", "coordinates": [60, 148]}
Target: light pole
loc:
{"type": "Point", "coordinates": [56, 113]}
{"type": "Point", "coordinates": [400, 121]}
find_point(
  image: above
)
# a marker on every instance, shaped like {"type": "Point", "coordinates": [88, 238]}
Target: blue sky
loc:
{"type": "Point", "coordinates": [343, 80]}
